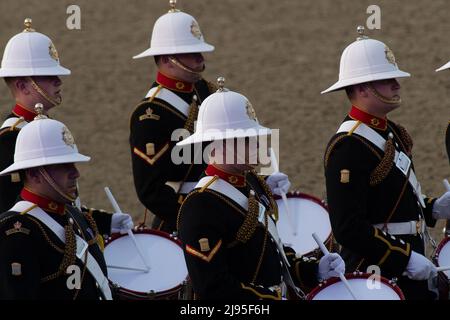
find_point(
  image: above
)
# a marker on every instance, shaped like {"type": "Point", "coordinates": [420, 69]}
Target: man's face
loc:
{"type": "Point", "coordinates": [389, 89]}
{"type": "Point", "coordinates": [51, 86]}
{"type": "Point", "coordinates": [193, 61]}
{"type": "Point", "coordinates": [65, 175]}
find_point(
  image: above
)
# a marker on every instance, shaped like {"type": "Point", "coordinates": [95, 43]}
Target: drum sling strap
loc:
{"type": "Point", "coordinates": [82, 246]}
{"type": "Point", "coordinates": [234, 194]}
{"type": "Point", "coordinates": [171, 98]}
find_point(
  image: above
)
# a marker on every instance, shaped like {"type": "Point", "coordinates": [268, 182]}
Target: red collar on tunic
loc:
{"type": "Point", "coordinates": [20, 111]}
{"type": "Point", "coordinates": [235, 179]}
{"type": "Point", "coordinates": [43, 203]}
{"type": "Point", "coordinates": [368, 119]}
{"type": "Point", "coordinates": [174, 84]}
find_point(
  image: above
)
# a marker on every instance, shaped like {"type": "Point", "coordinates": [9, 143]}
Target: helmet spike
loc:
{"type": "Point", "coordinates": [39, 108]}
{"type": "Point", "coordinates": [221, 84]}
{"type": "Point", "coordinates": [361, 35]}
{"type": "Point", "coordinates": [173, 4]}
{"type": "Point", "coordinates": [28, 23]}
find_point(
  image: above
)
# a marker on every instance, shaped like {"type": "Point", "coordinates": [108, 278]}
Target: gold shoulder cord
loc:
{"type": "Point", "coordinates": [273, 204]}
{"type": "Point", "coordinates": [404, 138]}
{"type": "Point", "coordinates": [97, 238]}
{"type": "Point", "coordinates": [192, 116]}
{"type": "Point", "coordinates": [69, 257]}
{"type": "Point", "coordinates": [382, 170]}
{"type": "Point", "coordinates": [248, 227]}
{"type": "Point", "coordinates": [212, 87]}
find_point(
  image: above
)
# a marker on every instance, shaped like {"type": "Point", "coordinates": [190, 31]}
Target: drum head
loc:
{"type": "Point", "coordinates": [164, 256]}
{"type": "Point", "coordinates": [308, 216]}
{"type": "Point", "coordinates": [363, 287]}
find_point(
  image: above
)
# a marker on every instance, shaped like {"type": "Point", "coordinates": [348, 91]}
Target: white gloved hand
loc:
{"type": "Point", "coordinates": [419, 267]}
{"type": "Point", "coordinates": [330, 265]}
{"type": "Point", "coordinates": [121, 222]}
{"type": "Point", "coordinates": [441, 207]}
{"type": "Point", "coordinates": [278, 183]}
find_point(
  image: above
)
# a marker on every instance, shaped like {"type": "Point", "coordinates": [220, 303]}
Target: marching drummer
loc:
{"type": "Point", "coordinates": [48, 248]}
{"type": "Point", "coordinates": [32, 70]}
{"type": "Point", "coordinates": [177, 45]}
{"type": "Point", "coordinates": [227, 223]}
{"type": "Point", "coordinates": [377, 210]}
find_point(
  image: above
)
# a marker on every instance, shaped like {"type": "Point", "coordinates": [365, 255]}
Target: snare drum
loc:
{"type": "Point", "coordinates": [168, 273]}
{"type": "Point", "coordinates": [364, 287]}
{"type": "Point", "coordinates": [309, 215]}
{"type": "Point", "coordinates": [441, 259]}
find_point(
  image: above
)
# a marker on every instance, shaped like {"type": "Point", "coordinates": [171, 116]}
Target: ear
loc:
{"type": "Point", "coordinates": [164, 59]}
{"type": "Point", "coordinates": [361, 90]}
{"type": "Point", "coordinates": [32, 175]}
{"type": "Point", "coordinates": [21, 85]}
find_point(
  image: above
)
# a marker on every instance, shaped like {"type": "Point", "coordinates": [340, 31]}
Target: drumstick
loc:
{"type": "Point", "coordinates": [126, 268]}
{"type": "Point", "coordinates": [341, 275]}
{"type": "Point", "coordinates": [129, 232]}
{"type": "Point", "coordinates": [446, 184]}
{"type": "Point", "coordinates": [439, 269]}
{"type": "Point", "coordinates": [292, 223]}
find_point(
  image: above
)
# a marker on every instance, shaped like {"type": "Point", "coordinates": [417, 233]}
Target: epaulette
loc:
{"type": "Point", "coordinates": [338, 138]}
{"type": "Point", "coordinates": [158, 102]}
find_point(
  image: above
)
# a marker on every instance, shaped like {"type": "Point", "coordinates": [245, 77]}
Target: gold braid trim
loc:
{"type": "Point", "coordinates": [273, 204]}
{"type": "Point", "coordinates": [69, 257]}
{"type": "Point", "coordinates": [382, 170]}
{"type": "Point", "coordinates": [212, 87]}
{"type": "Point", "coordinates": [247, 229]}
{"type": "Point", "coordinates": [192, 116]}
{"type": "Point", "coordinates": [406, 139]}
{"type": "Point", "coordinates": [97, 237]}
{"type": "Point", "coordinates": [47, 238]}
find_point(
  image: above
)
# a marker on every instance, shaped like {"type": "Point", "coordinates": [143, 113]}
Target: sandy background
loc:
{"type": "Point", "coordinates": [280, 54]}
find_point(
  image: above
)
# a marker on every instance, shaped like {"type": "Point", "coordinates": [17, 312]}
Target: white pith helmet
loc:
{"type": "Point", "coordinates": [44, 142]}
{"type": "Point", "coordinates": [175, 32]}
{"type": "Point", "coordinates": [366, 60]}
{"type": "Point", "coordinates": [444, 67]}
{"type": "Point", "coordinates": [31, 53]}
{"type": "Point", "coordinates": [224, 115]}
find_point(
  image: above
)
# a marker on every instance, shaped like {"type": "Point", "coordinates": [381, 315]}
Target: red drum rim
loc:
{"type": "Point", "coordinates": [439, 249]}
{"type": "Point", "coordinates": [147, 295]}
{"type": "Point", "coordinates": [297, 194]}
{"type": "Point", "coordinates": [115, 236]}
{"type": "Point", "coordinates": [348, 276]}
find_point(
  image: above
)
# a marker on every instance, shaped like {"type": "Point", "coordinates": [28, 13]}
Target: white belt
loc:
{"type": "Point", "coordinates": [402, 228]}
{"type": "Point", "coordinates": [185, 187]}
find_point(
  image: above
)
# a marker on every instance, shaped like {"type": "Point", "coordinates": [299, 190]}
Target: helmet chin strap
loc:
{"type": "Point", "coordinates": [44, 94]}
{"type": "Point", "coordinates": [379, 96]}
{"type": "Point", "coordinates": [177, 62]}
{"type": "Point", "coordinates": [55, 186]}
